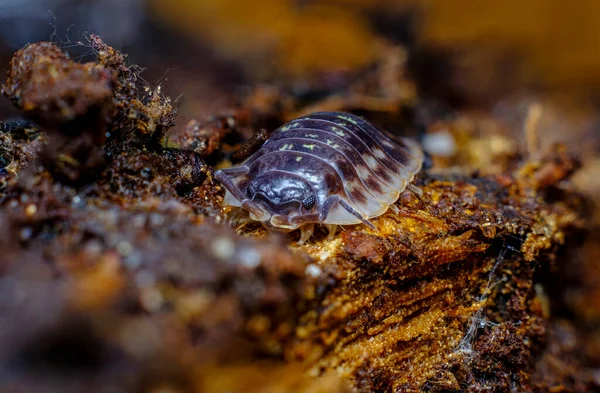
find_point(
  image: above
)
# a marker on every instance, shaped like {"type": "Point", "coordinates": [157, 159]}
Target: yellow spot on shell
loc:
{"type": "Point", "coordinates": [288, 126]}
{"type": "Point", "coordinates": [348, 118]}
{"type": "Point", "coordinates": [311, 147]}
{"type": "Point", "coordinates": [299, 158]}
{"type": "Point", "coordinates": [332, 144]}
{"type": "Point", "coordinates": [338, 131]}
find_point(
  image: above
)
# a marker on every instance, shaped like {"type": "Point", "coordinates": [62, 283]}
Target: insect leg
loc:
{"type": "Point", "coordinates": [332, 228]}
{"type": "Point", "coordinates": [395, 209]}
{"type": "Point", "coordinates": [309, 219]}
{"type": "Point", "coordinates": [356, 214]}
{"type": "Point", "coordinates": [254, 208]}
{"type": "Point", "coordinates": [415, 190]}
{"type": "Point", "coordinates": [307, 232]}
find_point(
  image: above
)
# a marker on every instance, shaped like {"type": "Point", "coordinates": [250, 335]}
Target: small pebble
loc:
{"type": "Point", "coordinates": [440, 143]}
{"type": "Point", "coordinates": [133, 260]}
{"type": "Point", "coordinates": [93, 247]}
{"type": "Point", "coordinates": [124, 248]}
{"type": "Point", "coordinates": [249, 257]}
{"type": "Point", "coordinates": [26, 233]}
{"type": "Point", "coordinates": [151, 299]}
{"type": "Point", "coordinates": [313, 270]}
{"type": "Point", "coordinates": [223, 247]}
{"type": "Point", "coordinates": [30, 210]}
{"type": "Point", "coordinates": [77, 201]}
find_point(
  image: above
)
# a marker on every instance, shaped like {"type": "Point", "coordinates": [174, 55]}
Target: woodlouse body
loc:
{"type": "Point", "coordinates": [326, 168]}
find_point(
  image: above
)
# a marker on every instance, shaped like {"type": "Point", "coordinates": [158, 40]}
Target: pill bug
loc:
{"type": "Point", "coordinates": [329, 168]}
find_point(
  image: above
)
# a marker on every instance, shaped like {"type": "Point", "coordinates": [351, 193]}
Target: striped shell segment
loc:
{"type": "Point", "coordinates": [326, 168]}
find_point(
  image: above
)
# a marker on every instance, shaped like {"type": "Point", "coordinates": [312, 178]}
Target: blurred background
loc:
{"type": "Point", "coordinates": [481, 63]}
{"type": "Point", "coordinates": [498, 55]}
{"type": "Point", "coordinates": [466, 53]}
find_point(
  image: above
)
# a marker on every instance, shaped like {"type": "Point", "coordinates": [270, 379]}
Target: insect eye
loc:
{"type": "Point", "coordinates": [309, 202]}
